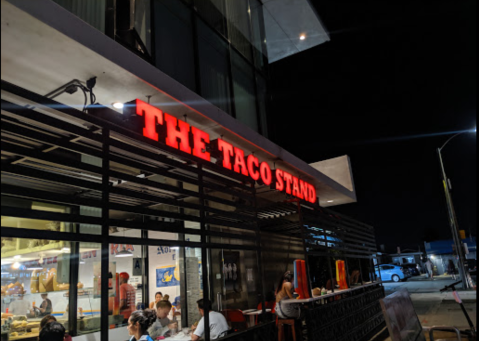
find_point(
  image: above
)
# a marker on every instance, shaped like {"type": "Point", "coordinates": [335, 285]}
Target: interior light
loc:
{"type": "Point", "coordinates": [302, 37]}
{"type": "Point", "coordinates": [17, 257]}
{"type": "Point", "coordinates": [118, 105]}
{"type": "Point", "coordinates": [66, 250]}
{"type": "Point", "coordinates": [16, 265]}
{"type": "Point", "coordinates": [35, 267]}
{"type": "Point", "coordinates": [5, 273]}
{"type": "Point", "coordinates": [330, 200]}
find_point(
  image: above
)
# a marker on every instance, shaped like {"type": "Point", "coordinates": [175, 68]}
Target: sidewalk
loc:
{"type": "Point", "coordinates": [435, 308]}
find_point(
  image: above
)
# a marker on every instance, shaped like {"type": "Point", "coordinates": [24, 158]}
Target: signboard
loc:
{"type": "Point", "coordinates": [178, 134]}
{"type": "Point", "coordinates": [137, 267]}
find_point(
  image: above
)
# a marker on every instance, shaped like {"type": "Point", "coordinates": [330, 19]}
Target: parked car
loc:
{"type": "Point", "coordinates": [412, 268]}
{"type": "Point", "coordinates": [389, 272]}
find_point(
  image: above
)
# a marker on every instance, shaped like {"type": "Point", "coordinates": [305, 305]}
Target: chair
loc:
{"type": "Point", "coordinates": [236, 319]}
{"type": "Point", "coordinates": [402, 320]}
{"type": "Point", "coordinates": [281, 323]}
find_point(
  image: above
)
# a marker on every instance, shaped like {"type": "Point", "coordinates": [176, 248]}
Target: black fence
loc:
{"type": "Point", "coordinates": [352, 318]}
{"type": "Point", "coordinates": [263, 332]}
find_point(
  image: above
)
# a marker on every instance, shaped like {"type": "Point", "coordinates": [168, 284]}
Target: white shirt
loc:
{"type": "Point", "coordinates": [218, 326]}
{"type": "Point", "coordinates": [19, 307]}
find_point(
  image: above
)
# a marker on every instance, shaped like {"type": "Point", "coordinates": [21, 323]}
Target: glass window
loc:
{"type": "Point", "coordinates": [175, 52]}
{"type": "Point", "coordinates": [259, 39]}
{"type": "Point", "coordinates": [239, 26]}
{"type": "Point", "coordinates": [89, 289]}
{"type": "Point", "coordinates": [262, 104]}
{"type": "Point", "coordinates": [244, 92]}
{"type": "Point", "coordinates": [126, 275]}
{"type": "Point", "coordinates": [92, 12]}
{"type": "Point", "coordinates": [34, 284]}
{"type": "Point", "coordinates": [214, 68]}
{"type": "Point", "coordinates": [213, 11]}
{"type": "Point", "coordinates": [142, 22]}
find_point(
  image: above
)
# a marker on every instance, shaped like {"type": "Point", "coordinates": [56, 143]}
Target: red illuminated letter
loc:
{"type": "Point", "coordinates": [253, 164]}
{"type": "Point", "coordinates": [266, 175]}
{"type": "Point", "coordinates": [199, 140]}
{"type": "Point", "coordinates": [296, 191]}
{"type": "Point", "coordinates": [227, 150]}
{"type": "Point", "coordinates": [239, 162]}
{"type": "Point", "coordinates": [177, 130]}
{"type": "Point", "coordinates": [114, 248]}
{"type": "Point", "coordinates": [152, 116]}
{"type": "Point", "coordinates": [312, 194]}
{"type": "Point", "coordinates": [304, 190]}
{"type": "Point", "coordinates": [288, 178]}
{"type": "Point", "coordinates": [279, 180]}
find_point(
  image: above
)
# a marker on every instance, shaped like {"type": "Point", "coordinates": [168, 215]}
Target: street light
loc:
{"type": "Point", "coordinates": [466, 280]}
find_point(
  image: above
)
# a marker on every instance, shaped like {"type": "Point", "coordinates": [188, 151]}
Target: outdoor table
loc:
{"type": "Point", "coordinates": [328, 295]}
{"type": "Point", "coordinates": [253, 314]}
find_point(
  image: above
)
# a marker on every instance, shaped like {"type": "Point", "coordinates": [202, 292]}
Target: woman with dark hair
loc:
{"type": "Point", "coordinates": [286, 277]}
{"type": "Point", "coordinates": [53, 331]}
{"type": "Point", "coordinates": [285, 291]}
{"type": "Point", "coordinates": [158, 298]}
{"type": "Point", "coordinates": [138, 324]}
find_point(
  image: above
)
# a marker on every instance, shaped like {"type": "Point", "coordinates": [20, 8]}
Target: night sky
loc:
{"type": "Point", "coordinates": [396, 80]}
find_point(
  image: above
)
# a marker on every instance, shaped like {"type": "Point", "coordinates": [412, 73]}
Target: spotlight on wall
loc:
{"type": "Point", "coordinates": [118, 105]}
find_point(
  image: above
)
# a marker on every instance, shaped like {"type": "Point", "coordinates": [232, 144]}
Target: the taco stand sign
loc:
{"type": "Point", "coordinates": [162, 127]}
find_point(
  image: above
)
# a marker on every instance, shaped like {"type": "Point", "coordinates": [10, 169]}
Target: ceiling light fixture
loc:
{"type": "Point", "coordinates": [302, 37]}
{"type": "Point", "coordinates": [118, 105]}
{"type": "Point", "coordinates": [330, 200]}
{"type": "Point", "coordinates": [17, 257]}
{"type": "Point", "coordinates": [16, 265]}
{"type": "Point", "coordinates": [65, 249]}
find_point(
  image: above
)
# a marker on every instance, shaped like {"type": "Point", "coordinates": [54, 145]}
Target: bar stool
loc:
{"type": "Point", "coordinates": [281, 323]}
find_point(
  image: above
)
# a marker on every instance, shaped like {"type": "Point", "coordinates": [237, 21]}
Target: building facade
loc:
{"type": "Point", "coordinates": [178, 192]}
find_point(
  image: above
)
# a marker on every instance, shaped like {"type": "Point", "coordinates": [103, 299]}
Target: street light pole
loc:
{"type": "Point", "coordinates": [466, 280]}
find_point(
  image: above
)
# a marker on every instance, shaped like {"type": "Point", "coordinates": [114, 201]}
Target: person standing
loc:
{"type": "Point", "coordinates": [46, 307]}
{"type": "Point", "coordinates": [451, 269]}
{"type": "Point", "coordinates": [430, 269]}
{"type": "Point", "coordinates": [127, 296]}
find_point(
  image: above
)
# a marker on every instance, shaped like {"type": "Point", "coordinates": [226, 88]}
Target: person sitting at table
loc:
{"type": "Point", "coordinates": [162, 324]}
{"type": "Point", "coordinates": [285, 291]}
{"type": "Point", "coordinates": [329, 286]}
{"type": "Point", "coordinates": [218, 325]}
{"type": "Point", "coordinates": [354, 278]}
{"type": "Point", "coordinates": [158, 298]}
{"type": "Point", "coordinates": [52, 331]}
{"type": "Point", "coordinates": [176, 306]}
{"type": "Point", "coordinates": [50, 318]}
{"type": "Point", "coordinates": [138, 324]}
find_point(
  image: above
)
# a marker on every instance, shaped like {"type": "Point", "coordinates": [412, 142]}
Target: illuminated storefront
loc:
{"type": "Point", "coordinates": [169, 197]}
